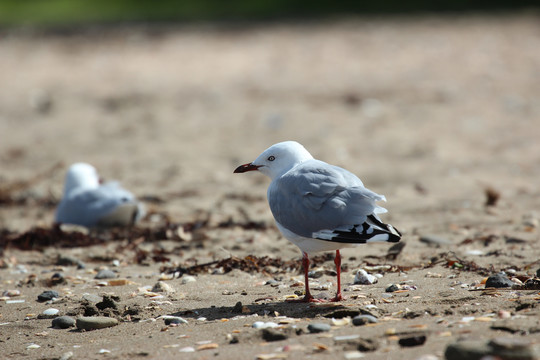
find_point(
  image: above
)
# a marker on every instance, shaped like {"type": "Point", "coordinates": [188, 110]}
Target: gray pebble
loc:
{"type": "Point", "coordinates": [174, 320]}
{"type": "Point", "coordinates": [498, 281]}
{"type": "Point", "coordinates": [97, 322]}
{"type": "Point", "coordinates": [92, 298]}
{"type": "Point", "coordinates": [392, 288]}
{"type": "Point", "coordinates": [63, 322]}
{"type": "Point", "coordinates": [70, 261]}
{"type": "Point", "coordinates": [363, 320]}
{"type": "Point", "coordinates": [47, 295]}
{"type": "Point", "coordinates": [105, 274]}
{"type": "Point", "coordinates": [66, 356]}
{"type": "Point", "coordinates": [434, 240]}
{"type": "Point", "coordinates": [273, 335]}
{"type": "Point", "coordinates": [318, 328]}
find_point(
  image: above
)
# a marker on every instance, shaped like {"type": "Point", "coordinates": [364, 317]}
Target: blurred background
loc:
{"type": "Point", "coordinates": [429, 102]}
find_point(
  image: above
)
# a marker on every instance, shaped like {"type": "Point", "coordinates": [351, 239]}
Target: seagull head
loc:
{"type": "Point", "coordinates": [277, 159]}
{"type": "Point", "coordinates": [81, 175]}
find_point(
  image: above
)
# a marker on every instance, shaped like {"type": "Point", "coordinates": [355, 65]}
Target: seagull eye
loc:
{"type": "Point", "coordinates": [271, 158]}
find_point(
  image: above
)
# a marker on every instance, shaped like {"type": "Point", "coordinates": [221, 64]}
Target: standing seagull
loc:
{"type": "Point", "coordinates": [319, 207]}
{"type": "Point", "coordinates": [88, 203]}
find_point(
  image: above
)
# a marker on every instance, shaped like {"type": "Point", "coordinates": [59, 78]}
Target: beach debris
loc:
{"type": "Point", "coordinates": [363, 278]}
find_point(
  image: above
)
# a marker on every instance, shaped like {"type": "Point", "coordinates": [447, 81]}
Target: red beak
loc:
{"type": "Point", "coordinates": [246, 167]}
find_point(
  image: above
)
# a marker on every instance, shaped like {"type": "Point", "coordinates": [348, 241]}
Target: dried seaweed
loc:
{"type": "Point", "coordinates": [250, 263]}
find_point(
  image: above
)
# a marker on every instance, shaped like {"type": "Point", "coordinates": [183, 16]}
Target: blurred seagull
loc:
{"type": "Point", "coordinates": [88, 203]}
{"type": "Point", "coordinates": [319, 207]}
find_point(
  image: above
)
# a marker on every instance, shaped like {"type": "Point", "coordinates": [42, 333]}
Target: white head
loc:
{"type": "Point", "coordinates": [277, 159]}
{"type": "Point", "coordinates": [81, 175]}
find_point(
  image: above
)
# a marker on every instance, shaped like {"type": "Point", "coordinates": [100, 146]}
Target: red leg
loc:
{"type": "Point", "coordinates": [337, 261]}
{"type": "Point", "coordinates": [308, 297]}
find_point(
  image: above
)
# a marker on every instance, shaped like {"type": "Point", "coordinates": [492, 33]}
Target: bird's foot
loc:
{"type": "Point", "coordinates": [337, 298]}
{"type": "Point", "coordinates": [305, 299]}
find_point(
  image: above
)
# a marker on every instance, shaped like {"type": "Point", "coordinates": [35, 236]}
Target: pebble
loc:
{"type": "Point", "coordinates": [498, 281]}
{"type": "Point", "coordinates": [264, 325]}
{"type": "Point", "coordinates": [105, 274]}
{"type": "Point", "coordinates": [392, 288]}
{"type": "Point", "coordinates": [66, 356]}
{"type": "Point", "coordinates": [187, 349]}
{"type": "Point", "coordinates": [174, 320]}
{"type": "Point", "coordinates": [538, 273]}
{"type": "Point", "coordinates": [92, 298]}
{"type": "Point", "coordinates": [49, 313]}
{"type": "Point", "coordinates": [97, 322]}
{"type": "Point", "coordinates": [507, 348]}
{"type": "Point", "coordinates": [70, 261]}
{"type": "Point", "coordinates": [63, 322]}
{"type": "Point", "coordinates": [162, 286]}
{"type": "Point", "coordinates": [273, 335]}
{"type": "Point", "coordinates": [363, 278]}
{"type": "Point", "coordinates": [33, 346]}
{"type": "Point", "coordinates": [318, 328]}
{"type": "Point", "coordinates": [412, 341]}
{"type": "Point", "coordinates": [364, 319]}
{"type": "Point", "coordinates": [188, 279]}
{"type": "Point", "coordinates": [47, 295]}
{"type": "Point", "coordinates": [434, 240]}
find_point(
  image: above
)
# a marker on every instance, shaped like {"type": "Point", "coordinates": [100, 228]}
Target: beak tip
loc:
{"type": "Point", "coordinates": [244, 168]}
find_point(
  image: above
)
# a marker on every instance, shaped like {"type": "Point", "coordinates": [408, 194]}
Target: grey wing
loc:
{"type": "Point", "coordinates": [316, 196]}
{"type": "Point", "coordinates": [89, 207]}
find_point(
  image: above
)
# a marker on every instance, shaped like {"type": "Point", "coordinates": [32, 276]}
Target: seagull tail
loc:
{"type": "Point", "coordinates": [372, 230]}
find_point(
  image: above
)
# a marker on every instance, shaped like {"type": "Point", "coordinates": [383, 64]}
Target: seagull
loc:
{"type": "Point", "coordinates": [89, 203]}
{"type": "Point", "coordinates": [319, 207]}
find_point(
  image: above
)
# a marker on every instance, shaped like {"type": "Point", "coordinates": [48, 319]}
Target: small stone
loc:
{"type": "Point", "coordinates": [538, 273]}
{"type": "Point", "coordinates": [364, 319]}
{"type": "Point", "coordinates": [97, 322]}
{"type": "Point", "coordinates": [33, 346]}
{"type": "Point", "coordinates": [174, 320]}
{"type": "Point", "coordinates": [66, 356]}
{"type": "Point", "coordinates": [504, 348]}
{"type": "Point", "coordinates": [318, 328]}
{"type": "Point", "coordinates": [412, 341]}
{"type": "Point", "coordinates": [264, 325]}
{"type": "Point", "coordinates": [434, 240]}
{"type": "Point", "coordinates": [92, 298]}
{"type": "Point", "coordinates": [273, 335]}
{"type": "Point", "coordinates": [162, 286]}
{"type": "Point", "coordinates": [63, 322]}
{"type": "Point", "coordinates": [393, 287]}
{"type": "Point", "coordinates": [49, 313]}
{"type": "Point", "coordinates": [363, 278]}
{"type": "Point", "coordinates": [105, 274]}
{"type": "Point", "coordinates": [315, 274]}
{"type": "Point", "coordinates": [187, 349]}
{"type": "Point", "coordinates": [47, 295]}
{"type": "Point", "coordinates": [498, 281]}
{"type": "Point", "coordinates": [188, 279]}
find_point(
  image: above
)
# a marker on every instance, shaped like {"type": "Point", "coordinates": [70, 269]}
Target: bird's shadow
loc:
{"type": "Point", "coordinates": [288, 309]}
